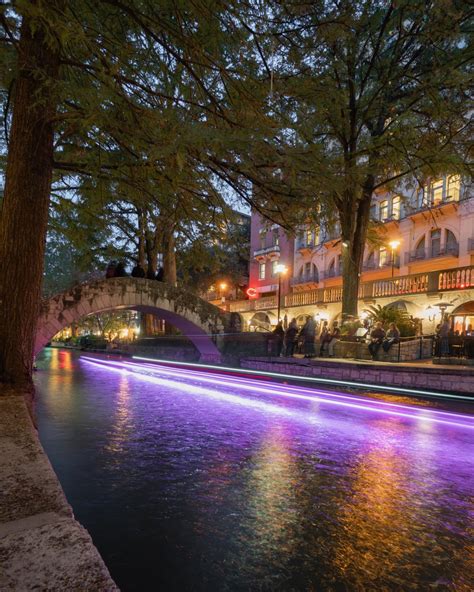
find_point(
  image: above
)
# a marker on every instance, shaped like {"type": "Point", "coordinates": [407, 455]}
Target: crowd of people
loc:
{"type": "Point", "coordinates": [449, 341]}
{"type": "Point", "coordinates": [305, 340]}
{"type": "Point", "coordinates": [117, 269]}
{"type": "Point", "coordinates": [294, 340]}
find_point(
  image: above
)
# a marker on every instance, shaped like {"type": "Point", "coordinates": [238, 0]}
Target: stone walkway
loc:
{"type": "Point", "coordinates": [42, 546]}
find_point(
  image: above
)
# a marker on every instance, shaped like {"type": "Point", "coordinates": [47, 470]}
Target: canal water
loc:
{"type": "Point", "coordinates": [225, 485]}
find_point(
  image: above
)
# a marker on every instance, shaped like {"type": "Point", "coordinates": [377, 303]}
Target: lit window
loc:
{"type": "Point", "coordinates": [396, 207]}
{"type": "Point", "coordinates": [436, 192]}
{"type": "Point", "coordinates": [309, 237]}
{"type": "Point", "coordinates": [274, 268]}
{"type": "Point", "coordinates": [453, 189]}
{"type": "Point", "coordinates": [383, 257]}
{"type": "Point", "coordinates": [383, 210]}
{"type": "Point", "coordinates": [261, 271]}
{"type": "Point", "coordinates": [317, 236]}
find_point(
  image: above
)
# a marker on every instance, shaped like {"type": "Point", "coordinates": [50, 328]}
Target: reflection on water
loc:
{"type": "Point", "coordinates": [209, 487]}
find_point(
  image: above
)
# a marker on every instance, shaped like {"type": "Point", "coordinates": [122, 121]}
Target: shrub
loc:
{"type": "Point", "coordinates": [405, 323]}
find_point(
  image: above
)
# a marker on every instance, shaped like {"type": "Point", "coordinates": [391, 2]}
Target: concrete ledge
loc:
{"type": "Point", "coordinates": [416, 375]}
{"type": "Point", "coordinates": [42, 546]}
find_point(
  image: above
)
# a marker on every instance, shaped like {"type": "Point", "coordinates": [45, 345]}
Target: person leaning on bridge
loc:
{"type": "Point", "coordinates": [376, 339]}
{"type": "Point", "coordinates": [120, 270]}
{"type": "Point", "coordinates": [138, 271]}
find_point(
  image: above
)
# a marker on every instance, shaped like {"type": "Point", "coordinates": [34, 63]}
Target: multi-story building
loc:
{"type": "Point", "coordinates": [423, 256]}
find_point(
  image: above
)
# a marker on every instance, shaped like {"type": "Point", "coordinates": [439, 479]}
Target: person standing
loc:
{"type": "Point", "coordinates": [376, 339]}
{"type": "Point", "coordinates": [444, 337]}
{"type": "Point", "coordinates": [333, 338]}
{"type": "Point", "coordinates": [290, 338]}
{"type": "Point", "coordinates": [309, 332]}
{"type": "Point", "coordinates": [323, 337]}
{"type": "Point", "coordinates": [279, 334]}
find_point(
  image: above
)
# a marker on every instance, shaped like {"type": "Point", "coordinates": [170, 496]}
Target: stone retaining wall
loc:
{"type": "Point", "coordinates": [42, 546]}
{"type": "Point", "coordinates": [405, 351]}
{"type": "Point", "coordinates": [455, 380]}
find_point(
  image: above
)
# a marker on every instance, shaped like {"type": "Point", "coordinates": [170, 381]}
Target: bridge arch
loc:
{"type": "Point", "coordinates": [199, 321]}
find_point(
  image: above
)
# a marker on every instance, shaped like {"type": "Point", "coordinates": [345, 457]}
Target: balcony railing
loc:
{"type": "Point", "coordinates": [266, 251]}
{"type": "Point", "coordinates": [374, 266]}
{"type": "Point", "coordinates": [303, 246]}
{"type": "Point", "coordinates": [433, 253]}
{"type": "Point", "coordinates": [331, 273]}
{"type": "Point", "coordinates": [419, 283]}
{"type": "Point", "coordinates": [311, 278]}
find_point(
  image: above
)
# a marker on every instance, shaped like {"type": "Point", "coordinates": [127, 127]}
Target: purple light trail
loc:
{"type": "Point", "coordinates": [331, 381]}
{"type": "Point", "coordinates": [154, 373]}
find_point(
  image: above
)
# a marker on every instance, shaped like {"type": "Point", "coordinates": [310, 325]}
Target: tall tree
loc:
{"type": "Point", "coordinates": [24, 213]}
{"type": "Point", "coordinates": [368, 93]}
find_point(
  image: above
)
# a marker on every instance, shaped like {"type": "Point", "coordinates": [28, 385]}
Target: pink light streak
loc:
{"type": "Point", "coordinates": [155, 374]}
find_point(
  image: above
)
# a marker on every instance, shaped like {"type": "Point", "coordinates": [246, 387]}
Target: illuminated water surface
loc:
{"type": "Point", "coordinates": [202, 484]}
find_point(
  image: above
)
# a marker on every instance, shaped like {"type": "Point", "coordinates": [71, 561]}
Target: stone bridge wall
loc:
{"type": "Point", "coordinates": [196, 318]}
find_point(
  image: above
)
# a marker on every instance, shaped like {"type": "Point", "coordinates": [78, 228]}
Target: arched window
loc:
{"type": "Point", "coordinates": [420, 249]}
{"type": "Point", "coordinates": [315, 273]}
{"type": "Point", "coordinates": [332, 269]}
{"type": "Point", "coordinates": [370, 263]}
{"type": "Point", "coordinates": [435, 242]}
{"type": "Point", "coordinates": [452, 245]}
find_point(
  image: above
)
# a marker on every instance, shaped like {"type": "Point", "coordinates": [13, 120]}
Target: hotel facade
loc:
{"type": "Point", "coordinates": [423, 256]}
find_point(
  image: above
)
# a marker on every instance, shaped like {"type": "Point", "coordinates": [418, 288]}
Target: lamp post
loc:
{"type": "Point", "coordinates": [222, 286]}
{"type": "Point", "coordinates": [280, 269]}
{"type": "Point", "coordinates": [394, 246]}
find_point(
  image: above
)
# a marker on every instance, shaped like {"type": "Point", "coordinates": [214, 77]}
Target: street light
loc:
{"type": "Point", "coordinates": [280, 269]}
{"type": "Point", "coordinates": [394, 246]}
{"type": "Point", "coordinates": [222, 286]}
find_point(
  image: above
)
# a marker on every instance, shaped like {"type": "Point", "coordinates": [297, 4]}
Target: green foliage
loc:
{"type": "Point", "coordinates": [387, 315]}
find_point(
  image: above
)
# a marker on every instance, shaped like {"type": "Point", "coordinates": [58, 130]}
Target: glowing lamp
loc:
{"type": "Point", "coordinates": [280, 268]}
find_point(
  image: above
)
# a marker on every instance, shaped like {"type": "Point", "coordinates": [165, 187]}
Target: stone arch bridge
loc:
{"type": "Point", "coordinates": [198, 320]}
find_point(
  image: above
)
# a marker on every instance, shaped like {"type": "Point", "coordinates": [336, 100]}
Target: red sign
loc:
{"type": "Point", "coordinates": [252, 293]}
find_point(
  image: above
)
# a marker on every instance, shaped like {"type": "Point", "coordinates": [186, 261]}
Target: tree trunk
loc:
{"type": "Point", "coordinates": [354, 231]}
{"type": "Point", "coordinates": [169, 258]}
{"type": "Point", "coordinates": [24, 214]}
{"type": "Point", "coordinates": [141, 238]}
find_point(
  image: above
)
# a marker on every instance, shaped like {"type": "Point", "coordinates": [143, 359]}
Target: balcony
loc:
{"type": "Point", "coordinates": [374, 266]}
{"type": "Point", "coordinates": [433, 253]}
{"type": "Point", "coordinates": [459, 278]}
{"type": "Point", "coordinates": [305, 248]}
{"type": "Point", "coordinates": [450, 200]}
{"type": "Point", "coordinates": [272, 252]}
{"type": "Point", "coordinates": [331, 273]}
{"type": "Point", "coordinates": [306, 280]}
